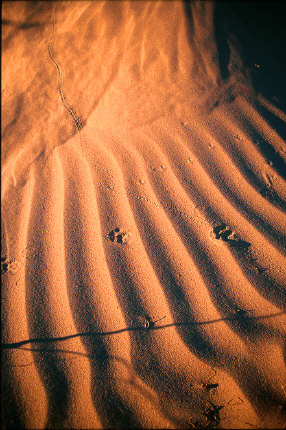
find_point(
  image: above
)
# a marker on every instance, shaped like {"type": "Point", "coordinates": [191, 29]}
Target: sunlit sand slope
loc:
{"type": "Point", "coordinates": [143, 222]}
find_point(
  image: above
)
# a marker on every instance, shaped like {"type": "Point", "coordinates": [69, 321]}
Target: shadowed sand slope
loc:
{"type": "Point", "coordinates": [143, 221]}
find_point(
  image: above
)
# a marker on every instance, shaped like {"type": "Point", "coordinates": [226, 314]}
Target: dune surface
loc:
{"type": "Point", "coordinates": [143, 221]}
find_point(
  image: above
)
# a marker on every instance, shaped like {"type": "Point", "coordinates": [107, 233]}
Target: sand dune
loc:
{"type": "Point", "coordinates": [143, 222]}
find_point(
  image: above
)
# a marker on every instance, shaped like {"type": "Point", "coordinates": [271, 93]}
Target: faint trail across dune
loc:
{"type": "Point", "coordinates": [78, 122]}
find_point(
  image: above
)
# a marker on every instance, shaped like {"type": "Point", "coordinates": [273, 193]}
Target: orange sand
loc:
{"type": "Point", "coordinates": [138, 185]}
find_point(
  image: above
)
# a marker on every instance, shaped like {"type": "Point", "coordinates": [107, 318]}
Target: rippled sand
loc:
{"type": "Point", "coordinates": [143, 223]}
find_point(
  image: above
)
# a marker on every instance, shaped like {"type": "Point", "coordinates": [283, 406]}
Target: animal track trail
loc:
{"type": "Point", "coordinates": [224, 233]}
{"type": "Point", "coordinates": [191, 214]}
{"type": "Point", "coordinates": [76, 119]}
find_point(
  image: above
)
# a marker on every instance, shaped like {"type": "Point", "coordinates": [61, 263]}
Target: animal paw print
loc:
{"type": "Point", "coordinates": [211, 413]}
{"type": "Point", "coordinates": [7, 266]}
{"type": "Point", "coordinates": [119, 236]}
{"type": "Point", "coordinates": [224, 233]}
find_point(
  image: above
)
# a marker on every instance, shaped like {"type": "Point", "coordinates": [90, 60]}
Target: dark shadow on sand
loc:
{"type": "Point", "coordinates": [236, 316]}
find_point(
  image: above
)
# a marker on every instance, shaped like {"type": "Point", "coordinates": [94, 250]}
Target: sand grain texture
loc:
{"type": "Point", "coordinates": [143, 222]}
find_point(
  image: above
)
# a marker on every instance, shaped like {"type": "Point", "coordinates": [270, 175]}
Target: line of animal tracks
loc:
{"type": "Point", "coordinates": [77, 120]}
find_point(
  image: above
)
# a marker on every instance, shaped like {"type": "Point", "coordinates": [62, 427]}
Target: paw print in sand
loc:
{"type": "Point", "coordinates": [7, 266]}
{"type": "Point", "coordinates": [211, 413]}
{"type": "Point", "coordinates": [224, 233]}
{"type": "Point", "coordinates": [119, 236]}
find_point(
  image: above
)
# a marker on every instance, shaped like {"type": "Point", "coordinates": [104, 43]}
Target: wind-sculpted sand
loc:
{"type": "Point", "coordinates": [143, 223]}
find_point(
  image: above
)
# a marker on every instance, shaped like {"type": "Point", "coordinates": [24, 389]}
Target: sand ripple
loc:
{"type": "Point", "coordinates": [143, 258]}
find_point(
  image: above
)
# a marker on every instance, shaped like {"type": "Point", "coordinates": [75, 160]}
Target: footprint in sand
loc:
{"type": "Point", "coordinates": [224, 233]}
{"type": "Point", "coordinates": [119, 236]}
{"type": "Point", "coordinates": [7, 266]}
